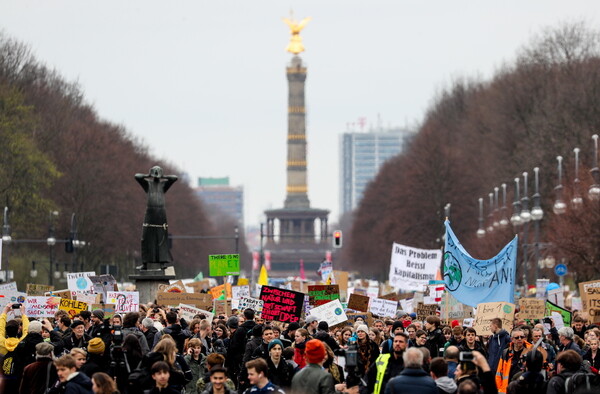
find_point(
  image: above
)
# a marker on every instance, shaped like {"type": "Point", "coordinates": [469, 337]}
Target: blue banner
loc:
{"type": "Point", "coordinates": [473, 281]}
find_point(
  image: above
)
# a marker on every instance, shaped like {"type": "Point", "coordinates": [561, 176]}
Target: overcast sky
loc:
{"type": "Point", "coordinates": [203, 83]}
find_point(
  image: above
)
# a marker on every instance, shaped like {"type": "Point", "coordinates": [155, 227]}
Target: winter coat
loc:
{"type": "Point", "coordinates": [34, 377]}
{"type": "Point", "coordinates": [324, 337]}
{"type": "Point", "coordinates": [412, 381]}
{"type": "Point", "coordinates": [140, 337]}
{"type": "Point", "coordinates": [446, 385]}
{"type": "Point", "coordinates": [299, 355]}
{"type": "Point", "coordinates": [79, 384]}
{"type": "Point", "coordinates": [179, 336]}
{"type": "Point", "coordinates": [3, 346]}
{"type": "Point", "coordinates": [496, 345]}
{"type": "Point", "coordinates": [280, 375]}
{"type": "Point", "coordinates": [237, 346]}
{"type": "Point", "coordinates": [435, 342]}
{"type": "Point", "coordinates": [251, 347]}
{"type": "Point", "coordinates": [198, 368]}
{"type": "Point", "coordinates": [25, 351]}
{"type": "Point", "coordinates": [149, 334]}
{"type": "Point", "coordinates": [312, 379]}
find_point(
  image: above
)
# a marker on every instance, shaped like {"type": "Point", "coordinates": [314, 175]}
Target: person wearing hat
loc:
{"type": "Point", "coordinates": [25, 352]}
{"type": "Point", "coordinates": [96, 362]}
{"type": "Point", "coordinates": [280, 372]}
{"type": "Point", "coordinates": [323, 336]}
{"type": "Point", "coordinates": [290, 332]}
{"type": "Point", "coordinates": [313, 379]}
{"type": "Point", "coordinates": [397, 327]}
{"type": "Point", "coordinates": [97, 319]}
{"type": "Point", "coordinates": [311, 325]}
{"type": "Point", "coordinates": [41, 374]}
{"type": "Point", "coordinates": [78, 338]}
{"type": "Point", "coordinates": [368, 351]}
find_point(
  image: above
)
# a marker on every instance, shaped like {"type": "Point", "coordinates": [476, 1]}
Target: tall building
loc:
{"type": "Point", "coordinates": [217, 193]}
{"type": "Point", "coordinates": [361, 156]}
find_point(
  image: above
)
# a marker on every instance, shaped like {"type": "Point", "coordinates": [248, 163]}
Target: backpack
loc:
{"type": "Point", "coordinates": [8, 363]}
{"type": "Point", "coordinates": [580, 381]}
{"type": "Point", "coordinates": [140, 378]}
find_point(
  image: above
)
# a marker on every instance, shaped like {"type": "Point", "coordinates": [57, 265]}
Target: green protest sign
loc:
{"type": "Point", "coordinates": [224, 264]}
{"type": "Point", "coordinates": [565, 313]}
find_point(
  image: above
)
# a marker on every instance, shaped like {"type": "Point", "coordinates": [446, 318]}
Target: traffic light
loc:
{"type": "Point", "coordinates": [337, 239]}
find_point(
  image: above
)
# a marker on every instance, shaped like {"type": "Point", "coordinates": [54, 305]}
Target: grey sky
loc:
{"type": "Point", "coordinates": [210, 75]}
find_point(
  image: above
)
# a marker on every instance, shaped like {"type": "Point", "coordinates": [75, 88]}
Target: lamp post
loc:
{"type": "Point", "coordinates": [526, 218]}
{"type": "Point", "coordinates": [481, 230]}
{"type": "Point", "coordinates": [490, 227]}
{"type": "Point", "coordinates": [559, 205]}
{"type": "Point", "coordinates": [51, 241]}
{"type": "Point", "coordinates": [504, 220]}
{"type": "Point", "coordinates": [496, 223]}
{"type": "Point", "coordinates": [515, 219]}
{"type": "Point", "coordinates": [577, 200]}
{"type": "Point", "coordinates": [536, 215]}
{"type": "Point", "coordinates": [594, 190]}
{"type": "Point", "coordinates": [6, 240]}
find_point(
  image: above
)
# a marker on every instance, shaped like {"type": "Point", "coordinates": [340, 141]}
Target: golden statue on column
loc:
{"type": "Point", "coordinates": [295, 46]}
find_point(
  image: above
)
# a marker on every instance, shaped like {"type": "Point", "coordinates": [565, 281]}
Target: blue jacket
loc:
{"type": "Point", "coordinates": [497, 343]}
{"type": "Point", "coordinates": [412, 381]}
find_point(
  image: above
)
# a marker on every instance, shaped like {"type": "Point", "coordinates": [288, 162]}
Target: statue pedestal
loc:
{"type": "Point", "coordinates": [147, 281]}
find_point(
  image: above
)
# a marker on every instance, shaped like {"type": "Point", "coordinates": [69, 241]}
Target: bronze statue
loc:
{"type": "Point", "coordinates": [295, 46]}
{"type": "Point", "coordinates": [155, 229]}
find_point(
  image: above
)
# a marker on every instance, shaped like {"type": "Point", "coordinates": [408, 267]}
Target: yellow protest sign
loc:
{"type": "Point", "coordinates": [72, 307]}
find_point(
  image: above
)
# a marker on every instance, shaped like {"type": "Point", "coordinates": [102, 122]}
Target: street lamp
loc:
{"type": "Point", "coordinates": [594, 190]}
{"type": "Point", "coordinates": [525, 214]}
{"type": "Point", "coordinates": [490, 228]}
{"type": "Point", "coordinates": [559, 205]}
{"type": "Point", "coordinates": [481, 230]}
{"type": "Point", "coordinates": [577, 200]}
{"type": "Point", "coordinates": [496, 213]}
{"type": "Point", "coordinates": [504, 221]}
{"type": "Point", "coordinates": [536, 215]}
{"type": "Point", "coordinates": [6, 238]}
{"type": "Point", "coordinates": [515, 219]}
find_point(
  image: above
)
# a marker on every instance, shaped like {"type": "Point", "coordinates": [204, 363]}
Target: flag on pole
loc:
{"type": "Point", "coordinates": [263, 277]}
{"type": "Point", "coordinates": [473, 281]}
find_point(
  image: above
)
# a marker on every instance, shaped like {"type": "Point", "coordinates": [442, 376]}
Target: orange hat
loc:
{"type": "Point", "coordinates": [314, 351]}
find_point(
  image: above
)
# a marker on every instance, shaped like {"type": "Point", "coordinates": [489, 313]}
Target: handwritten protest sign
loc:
{"type": "Point", "coordinates": [199, 286]}
{"type": "Point", "coordinates": [490, 310]}
{"type": "Point", "coordinates": [365, 317]}
{"type": "Point", "coordinates": [219, 290]}
{"type": "Point", "coordinates": [222, 307]}
{"type": "Point", "coordinates": [565, 313]}
{"type": "Point", "coordinates": [531, 308]}
{"type": "Point", "coordinates": [390, 296]}
{"type": "Point", "coordinates": [224, 264]}
{"type": "Point", "coordinates": [341, 279]}
{"type": "Point", "coordinates": [88, 298]}
{"type": "Point", "coordinates": [59, 293]}
{"type": "Point", "coordinates": [332, 313]}
{"type": "Point", "coordinates": [424, 310]}
{"type": "Point", "coordinates": [557, 296]}
{"type": "Point", "coordinates": [80, 281]}
{"type": "Point", "coordinates": [109, 309]}
{"type": "Point", "coordinates": [383, 308]}
{"type": "Point", "coordinates": [199, 300]}
{"type": "Point", "coordinates": [189, 311]}
{"type": "Point", "coordinates": [252, 303]}
{"type": "Point", "coordinates": [12, 297]}
{"type": "Point", "coordinates": [40, 306]}
{"type": "Point", "coordinates": [8, 287]}
{"type": "Point", "coordinates": [72, 307]}
{"type": "Point", "coordinates": [591, 291]}
{"type": "Point", "coordinates": [125, 301]}
{"type": "Point", "coordinates": [238, 292]}
{"type": "Point", "coordinates": [358, 302]}
{"type": "Point", "coordinates": [281, 305]}
{"type": "Point", "coordinates": [413, 268]}
{"type": "Point", "coordinates": [452, 309]}
{"type": "Point", "coordinates": [322, 294]}
{"type": "Point", "coordinates": [177, 287]}
{"type": "Point", "coordinates": [37, 290]}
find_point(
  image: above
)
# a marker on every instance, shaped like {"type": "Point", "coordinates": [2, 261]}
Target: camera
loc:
{"type": "Point", "coordinates": [465, 356]}
{"type": "Point", "coordinates": [155, 310]}
{"type": "Point", "coordinates": [547, 320]}
{"type": "Point", "coordinates": [351, 356]}
{"type": "Point", "coordinates": [117, 336]}
{"type": "Point", "coordinates": [16, 306]}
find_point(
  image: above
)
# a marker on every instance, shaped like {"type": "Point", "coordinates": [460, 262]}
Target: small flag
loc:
{"type": "Point", "coordinates": [263, 277]}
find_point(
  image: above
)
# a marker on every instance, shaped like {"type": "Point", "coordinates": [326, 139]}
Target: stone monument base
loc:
{"type": "Point", "coordinates": [147, 281]}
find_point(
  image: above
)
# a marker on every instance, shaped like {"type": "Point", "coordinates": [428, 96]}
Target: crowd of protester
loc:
{"type": "Point", "coordinates": [155, 350]}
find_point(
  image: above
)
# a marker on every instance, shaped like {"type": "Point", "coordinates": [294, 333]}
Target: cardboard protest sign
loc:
{"type": "Point", "coordinates": [37, 290]}
{"type": "Point", "coordinates": [407, 305]}
{"type": "Point", "coordinates": [40, 306]}
{"type": "Point", "coordinates": [341, 279]}
{"type": "Point", "coordinates": [424, 310]}
{"type": "Point", "coordinates": [80, 281]}
{"type": "Point", "coordinates": [383, 308]}
{"type": "Point", "coordinates": [109, 309]}
{"type": "Point", "coordinates": [557, 296]}
{"type": "Point", "coordinates": [224, 264]}
{"type": "Point", "coordinates": [490, 310]}
{"type": "Point", "coordinates": [199, 300]}
{"type": "Point", "coordinates": [88, 298]}
{"type": "Point", "coordinates": [219, 290]}
{"type": "Point", "coordinates": [332, 313]}
{"type": "Point", "coordinates": [103, 284]}
{"type": "Point", "coordinates": [281, 305]}
{"type": "Point", "coordinates": [413, 268]}
{"type": "Point", "coordinates": [565, 313]}
{"type": "Point", "coordinates": [251, 303]}
{"type": "Point", "coordinates": [532, 308]}
{"type": "Point", "coordinates": [200, 285]}
{"type": "Point", "coordinates": [358, 302]}
{"type": "Point", "coordinates": [390, 296]}
{"type": "Point", "coordinates": [365, 317]}
{"type": "Point", "coordinates": [237, 292]}
{"type": "Point", "coordinates": [72, 307]}
{"type": "Point", "coordinates": [322, 294]}
{"type": "Point", "coordinates": [590, 291]}
{"type": "Point", "coordinates": [125, 301]}
{"type": "Point", "coordinates": [222, 307]}
{"type": "Point", "coordinates": [452, 309]}
{"type": "Point", "coordinates": [177, 287]}
{"type": "Point", "coordinates": [59, 294]}
{"type": "Point", "coordinates": [189, 311]}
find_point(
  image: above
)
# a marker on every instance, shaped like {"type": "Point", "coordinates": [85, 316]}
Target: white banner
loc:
{"type": "Point", "coordinates": [189, 311]}
{"type": "Point", "coordinates": [41, 306]}
{"type": "Point", "coordinates": [411, 268]}
{"type": "Point", "coordinates": [383, 308]}
{"type": "Point", "coordinates": [252, 303]}
{"type": "Point", "coordinates": [238, 292]}
{"type": "Point", "coordinates": [332, 313]}
{"type": "Point", "coordinates": [124, 301]}
{"type": "Point", "coordinates": [80, 281]}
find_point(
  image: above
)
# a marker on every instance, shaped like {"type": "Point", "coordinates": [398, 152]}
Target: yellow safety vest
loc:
{"type": "Point", "coordinates": [381, 364]}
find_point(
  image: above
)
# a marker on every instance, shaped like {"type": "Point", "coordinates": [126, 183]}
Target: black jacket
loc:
{"type": "Point", "coordinates": [435, 341]}
{"type": "Point", "coordinates": [179, 336]}
{"type": "Point", "coordinates": [324, 337]}
{"type": "Point", "coordinates": [412, 381]}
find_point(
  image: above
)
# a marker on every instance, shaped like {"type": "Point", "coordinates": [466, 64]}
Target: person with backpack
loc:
{"type": "Point", "coordinates": [130, 327]}
{"type": "Point", "coordinates": [568, 363]}
{"type": "Point", "coordinates": [25, 351]}
{"type": "Point", "coordinates": [237, 343]}
{"type": "Point", "coordinates": [41, 374]}
{"type": "Point", "coordinates": [174, 330]}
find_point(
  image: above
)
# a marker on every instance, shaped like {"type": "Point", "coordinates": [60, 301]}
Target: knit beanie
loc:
{"type": "Point", "coordinates": [96, 346]}
{"type": "Point", "coordinates": [362, 327]}
{"type": "Point", "coordinates": [275, 342]}
{"type": "Point", "coordinates": [99, 313]}
{"type": "Point", "coordinates": [233, 322]}
{"type": "Point", "coordinates": [293, 326]}
{"type": "Point", "coordinates": [454, 323]}
{"type": "Point", "coordinates": [35, 326]}
{"type": "Point", "coordinates": [396, 325]}
{"type": "Point", "coordinates": [314, 351]}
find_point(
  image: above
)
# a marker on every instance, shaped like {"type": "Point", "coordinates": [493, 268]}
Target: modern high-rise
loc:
{"type": "Point", "coordinates": [217, 193]}
{"type": "Point", "coordinates": [361, 156]}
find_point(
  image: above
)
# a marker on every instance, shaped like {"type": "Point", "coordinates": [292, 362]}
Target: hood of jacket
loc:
{"type": "Point", "coordinates": [82, 380]}
{"type": "Point", "coordinates": [11, 343]}
{"type": "Point", "coordinates": [446, 384]}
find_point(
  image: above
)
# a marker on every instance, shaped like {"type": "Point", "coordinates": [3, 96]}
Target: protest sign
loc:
{"type": "Point", "coordinates": [391, 296]}
{"type": "Point", "coordinates": [587, 290]}
{"type": "Point", "coordinates": [326, 269]}
{"type": "Point", "coordinates": [176, 287]}
{"type": "Point", "coordinates": [281, 305]}
{"type": "Point", "coordinates": [200, 285]}
{"type": "Point", "coordinates": [358, 302]}
{"type": "Point", "coordinates": [383, 308]}
{"type": "Point", "coordinates": [451, 309]}
{"type": "Point", "coordinates": [103, 284]}
{"type": "Point", "coordinates": [322, 294]}
{"type": "Point", "coordinates": [532, 308]}
{"type": "Point", "coordinates": [199, 300]}
{"type": "Point", "coordinates": [341, 279]}
{"type": "Point", "coordinates": [12, 297]}
{"type": "Point", "coordinates": [88, 298]}
{"type": "Point", "coordinates": [433, 293]}
{"type": "Point", "coordinates": [109, 309]}
{"type": "Point", "coordinates": [251, 303]}
{"type": "Point", "coordinates": [224, 264]}
{"type": "Point", "coordinates": [365, 317]}
{"type": "Point", "coordinates": [238, 292]}
{"type": "Point", "coordinates": [37, 290]}
{"type": "Point", "coordinates": [80, 281]}
{"type": "Point", "coordinates": [221, 290]}
{"type": "Point", "coordinates": [490, 310]}
{"type": "Point", "coordinates": [565, 313]}
{"type": "Point", "coordinates": [222, 307]}
{"type": "Point", "coordinates": [557, 296]}
{"type": "Point", "coordinates": [72, 307]}
{"type": "Point", "coordinates": [540, 288]}
{"type": "Point", "coordinates": [40, 306]}
{"type": "Point", "coordinates": [59, 293]}
{"type": "Point", "coordinates": [407, 305]}
{"type": "Point", "coordinates": [424, 310]}
{"type": "Point", "coordinates": [412, 268]}
{"type": "Point", "coordinates": [125, 301]}
{"type": "Point", "coordinates": [10, 286]}
{"type": "Point", "coordinates": [332, 313]}
{"type": "Point", "coordinates": [189, 311]}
